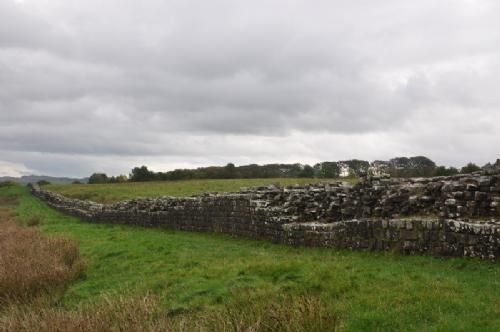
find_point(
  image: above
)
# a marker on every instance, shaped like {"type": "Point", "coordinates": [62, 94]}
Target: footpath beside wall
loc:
{"type": "Point", "coordinates": [445, 216]}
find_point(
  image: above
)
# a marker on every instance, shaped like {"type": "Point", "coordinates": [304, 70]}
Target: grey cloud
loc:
{"type": "Point", "coordinates": [189, 82]}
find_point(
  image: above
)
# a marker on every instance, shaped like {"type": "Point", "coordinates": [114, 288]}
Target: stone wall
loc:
{"type": "Point", "coordinates": [446, 216]}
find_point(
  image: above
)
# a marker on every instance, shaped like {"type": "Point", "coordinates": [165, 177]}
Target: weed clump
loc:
{"type": "Point", "coordinates": [34, 220]}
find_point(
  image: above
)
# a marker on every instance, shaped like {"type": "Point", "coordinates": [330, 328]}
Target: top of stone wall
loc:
{"type": "Point", "coordinates": [473, 196]}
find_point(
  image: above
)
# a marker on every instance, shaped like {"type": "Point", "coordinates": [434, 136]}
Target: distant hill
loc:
{"type": "Point", "coordinates": [35, 178]}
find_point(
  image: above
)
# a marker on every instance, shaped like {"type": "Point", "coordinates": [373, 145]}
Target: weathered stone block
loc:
{"type": "Point", "coordinates": [450, 202]}
{"type": "Point", "coordinates": [480, 196]}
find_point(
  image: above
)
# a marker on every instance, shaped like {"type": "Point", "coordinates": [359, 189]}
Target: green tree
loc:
{"type": "Point", "coordinates": [121, 178]}
{"type": "Point", "coordinates": [307, 172]}
{"type": "Point", "coordinates": [142, 173]}
{"type": "Point", "coordinates": [421, 166]}
{"type": "Point", "coordinates": [230, 171]}
{"type": "Point", "coordinates": [356, 167]}
{"type": "Point", "coordinates": [329, 169]}
{"type": "Point", "coordinates": [444, 171]}
{"type": "Point", "coordinates": [469, 168]}
{"type": "Point", "coordinates": [410, 167]}
{"type": "Point", "coordinates": [98, 178]}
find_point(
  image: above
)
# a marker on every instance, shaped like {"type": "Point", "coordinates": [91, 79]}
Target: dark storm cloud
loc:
{"type": "Point", "coordinates": [185, 83]}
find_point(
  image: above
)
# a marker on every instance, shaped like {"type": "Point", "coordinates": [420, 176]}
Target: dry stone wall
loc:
{"type": "Point", "coordinates": [445, 216]}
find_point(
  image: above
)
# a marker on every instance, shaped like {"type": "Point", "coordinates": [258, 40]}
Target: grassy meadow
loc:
{"type": "Point", "coordinates": [230, 283]}
{"type": "Point", "coordinates": [109, 193]}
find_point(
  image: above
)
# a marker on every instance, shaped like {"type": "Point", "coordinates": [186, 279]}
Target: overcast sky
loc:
{"type": "Point", "coordinates": [106, 85]}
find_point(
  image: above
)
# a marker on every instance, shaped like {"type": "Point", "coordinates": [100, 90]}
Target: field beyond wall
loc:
{"type": "Point", "coordinates": [110, 193]}
{"type": "Point", "coordinates": [192, 274]}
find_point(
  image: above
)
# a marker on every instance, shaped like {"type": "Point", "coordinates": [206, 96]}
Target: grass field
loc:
{"type": "Point", "coordinates": [108, 193]}
{"type": "Point", "coordinates": [192, 272]}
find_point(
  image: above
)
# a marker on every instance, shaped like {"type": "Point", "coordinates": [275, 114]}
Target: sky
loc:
{"type": "Point", "coordinates": [106, 85]}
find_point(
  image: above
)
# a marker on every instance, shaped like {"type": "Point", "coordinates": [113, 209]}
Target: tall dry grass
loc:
{"type": "Point", "coordinates": [139, 314]}
{"type": "Point", "coordinates": [145, 314]}
{"type": "Point", "coordinates": [285, 313]}
{"type": "Point", "coordinates": [32, 264]}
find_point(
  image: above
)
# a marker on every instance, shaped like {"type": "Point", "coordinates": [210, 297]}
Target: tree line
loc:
{"type": "Point", "coordinates": [418, 166]}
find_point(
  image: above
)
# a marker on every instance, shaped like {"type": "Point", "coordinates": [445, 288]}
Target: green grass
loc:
{"type": "Point", "coordinates": [108, 193]}
{"type": "Point", "coordinates": [192, 271]}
